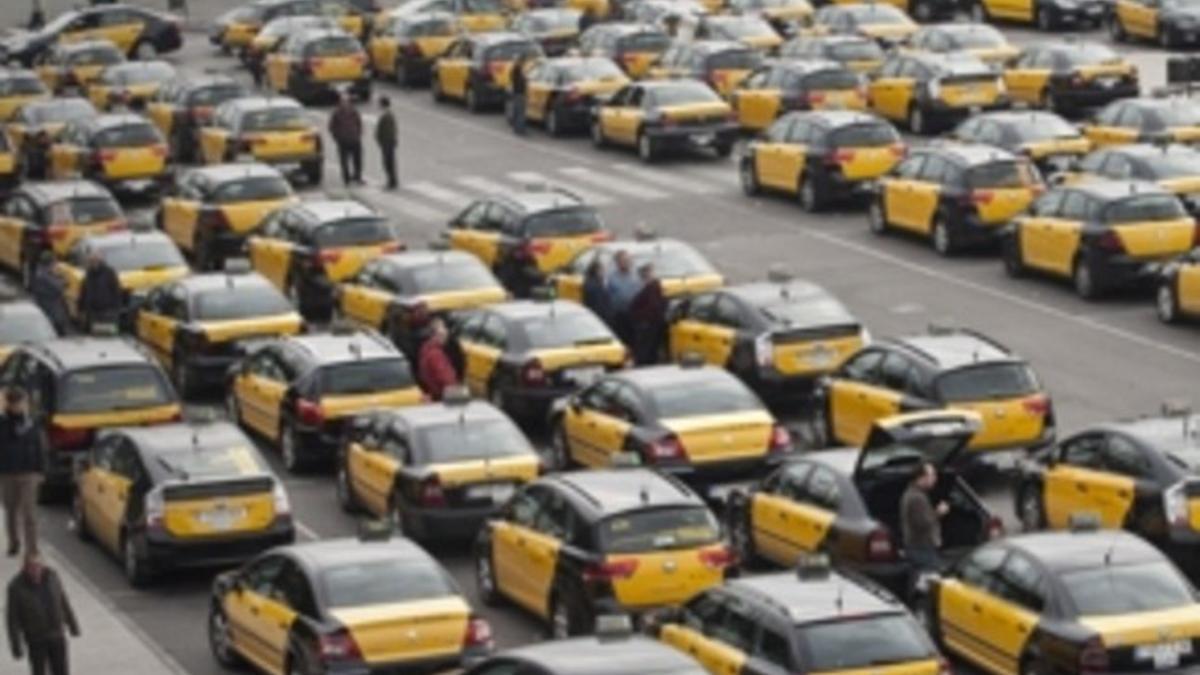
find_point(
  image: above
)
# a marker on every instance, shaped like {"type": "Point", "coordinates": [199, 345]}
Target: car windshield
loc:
{"type": "Point", "coordinates": [1177, 163]}
{"type": "Point", "coordinates": [511, 51]}
{"type": "Point", "coordinates": [144, 73]}
{"type": "Point", "coordinates": [471, 440]}
{"type": "Point", "coordinates": [564, 328]}
{"type": "Point", "coordinates": [31, 326]}
{"type": "Point", "coordinates": [742, 27]}
{"type": "Point", "coordinates": [114, 388]}
{"type": "Point", "coordinates": [216, 94]}
{"type": "Point", "coordinates": [735, 59]}
{"type": "Point", "coordinates": [383, 582]}
{"type": "Point", "coordinates": [1090, 53]}
{"type": "Point", "coordinates": [252, 189]}
{"type": "Point", "coordinates": [61, 111]}
{"type": "Point", "coordinates": [646, 42]}
{"type": "Point", "coordinates": [593, 69]}
{"type": "Point", "coordinates": [865, 50]}
{"type": "Point", "coordinates": [336, 45]}
{"type": "Point", "coordinates": [991, 381]}
{"type": "Point", "coordinates": [450, 276]}
{"type": "Point", "coordinates": [659, 529]}
{"type": "Point", "coordinates": [714, 396]}
{"type": "Point", "coordinates": [276, 119]}
{"type": "Point", "coordinates": [1041, 127]}
{"type": "Point", "coordinates": [978, 37]}
{"type": "Point", "coordinates": [864, 643]}
{"type": "Point", "coordinates": [366, 377]}
{"type": "Point", "coordinates": [1127, 589]}
{"type": "Point", "coordinates": [83, 211]}
{"type": "Point", "coordinates": [143, 255]}
{"type": "Point", "coordinates": [566, 222]}
{"type": "Point", "coordinates": [365, 231]}
{"type": "Point", "coordinates": [128, 136]}
{"type": "Point", "coordinates": [207, 462]}
{"type": "Point", "coordinates": [1144, 208]}
{"type": "Point", "coordinates": [683, 93]}
{"type": "Point", "coordinates": [672, 261]}
{"type": "Point", "coordinates": [866, 135]}
{"type": "Point", "coordinates": [240, 302]}
{"type": "Point", "coordinates": [1003, 174]}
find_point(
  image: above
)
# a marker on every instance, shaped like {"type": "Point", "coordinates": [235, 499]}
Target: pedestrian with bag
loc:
{"type": "Point", "coordinates": [100, 300]}
{"type": "Point", "coordinates": [435, 370]}
{"type": "Point", "coordinates": [38, 616]}
{"type": "Point", "coordinates": [22, 465]}
{"type": "Point", "coordinates": [387, 136]}
{"type": "Point", "coordinates": [346, 127]}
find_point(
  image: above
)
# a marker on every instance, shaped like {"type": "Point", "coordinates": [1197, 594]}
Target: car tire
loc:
{"type": "Point", "coordinates": [560, 449]}
{"type": "Point", "coordinates": [942, 235]}
{"type": "Point", "coordinates": [1115, 30]}
{"type": "Point", "coordinates": [1010, 253]}
{"type": "Point", "coordinates": [219, 641]}
{"type": "Point", "coordinates": [471, 100]}
{"type": "Point", "coordinates": [137, 571]}
{"type": "Point", "coordinates": [916, 120]}
{"type": "Point", "coordinates": [1030, 511]}
{"type": "Point", "coordinates": [808, 193]}
{"type": "Point", "coordinates": [289, 450]}
{"type": "Point", "coordinates": [485, 576]}
{"type": "Point", "coordinates": [554, 122]}
{"type": "Point", "coordinates": [1083, 278]}
{"type": "Point", "coordinates": [345, 494]}
{"type": "Point", "coordinates": [1043, 17]}
{"type": "Point", "coordinates": [749, 177]}
{"type": "Point", "coordinates": [1166, 303]}
{"type": "Point", "coordinates": [877, 217]}
{"type": "Point", "coordinates": [597, 134]}
{"type": "Point", "coordinates": [145, 50]}
{"type": "Point", "coordinates": [645, 149]}
{"type": "Point", "coordinates": [78, 522]}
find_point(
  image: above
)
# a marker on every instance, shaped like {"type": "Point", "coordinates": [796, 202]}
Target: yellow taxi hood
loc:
{"type": "Point", "coordinates": [239, 34]}
{"type": "Point", "coordinates": [118, 418]}
{"type": "Point", "coordinates": [1057, 146]}
{"type": "Point", "coordinates": [691, 111]}
{"type": "Point", "coordinates": [1146, 627]}
{"type": "Point", "coordinates": [137, 280]}
{"type": "Point", "coordinates": [1157, 239]}
{"type": "Point", "coordinates": [601, 87]}
{"type": "Point", "coordinates": [344, 262]}
{"type": "Point", "coordinates": [676, 286]}
{"type": "Point", "coordinates": [244, 217]}
{"type": "Point", "coordinates": [10, 104]}
{"type": "Point", "coordinates": [236, 329]}
{"type": "Point", "coordinates": [431, 628]}
{"type": "Point", "coordinates": [608, 353]}
{"type": "Point", "coordinates": [464, 299]}
{"type": "Point", "coordinates": [1181, 186]}
{"type": "Point", "coordinates": [924, 667]}
{"type": "Point", "coordinates": [335, 407]}
{"type": "Point", "coordinates": [637, 63]}
{"type": "Point", "coordinates": [86, 75]}
{"type": "Point", "coordinates": [683, 425]}
{"type": "Point", "coordinates": [523, 468]}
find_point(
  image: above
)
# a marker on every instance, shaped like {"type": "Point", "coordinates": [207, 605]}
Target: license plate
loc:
{"type": "Point", "coordinates": [1107, 82]}
{"type": "Point", "coordinates": [583, 376]}
{"type": "Point", "coordinates": [821, 356]}
{"type": "Point", "coordinates": [221, 518]}
{"type": "Point", "coordinates": [975, 109]}
{"type": "Point", "coordinates": [703, 139]}
{"type": "Point", "coordinates": [498, 493]}
{"type": "Point", "coordinates": [1165, 654]}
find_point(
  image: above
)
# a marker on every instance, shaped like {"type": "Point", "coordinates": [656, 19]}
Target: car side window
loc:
{"type": "Point", "coordinates": [1124, 457]}
{"type": "Point", "coordinates": [910, 168]}
{"type": "Point", "coordinates": [556, 518]}
{"type": "Point", "coordinates": [933, 171]}
{"type": "Point", "coordinates": [267, 366]}
{"type": "Point", "coordinates": [102, 454]}
{"type": "Point", "coordinates": [822, 489]}
{"type": "Point", "coordinates": [1084, 452]}
{"type": "Point", "coordinates": [895, 372]}
{"type": "Point", "coordinates": [978, 568]}
{"type": "Point", "coordinates": [523, 509]}
{"type": "Point", "coordinates": [627, 404]}
{"type": "Point", "coordinates": [727, 313]}
{"type": "Point", "coordinates": [702, 307]}
{"type": "Point", "coordinates": [1019, 581]}
{"type": "Point", "coordinates": [863, 367]}
{"type": "Point", "coordinates": [599, 396]}
{"type": "Point", "coordinates": [1131, 117]}
{"type": "Point", "coordinates": [1074, 206]}
{"type": "Point", "coordinates": [125, 462]}
{"type": "Point", "coordinates": [260, 575]}
{"type": "Point", "coordinates": [780, 131]}
{"type": "Point", "coordinates": [774, 648]}
{"type": "Point", "coordinates": [789, 481]}
{"type": "Point", "coordinates": [704, 613]}
{"type": "Point", "coordinates": [738, 628]}
{"type": "Point", "coordinates": [1049, 204]}
{"type": "Point", "coordinates": [1110, 115]}
{"type": "Point", "coordinates": [291, 588]}
{"type": "Point", "coordinates": [492, 333]}
{"type": "Point", "coordinates": [1118, 167]}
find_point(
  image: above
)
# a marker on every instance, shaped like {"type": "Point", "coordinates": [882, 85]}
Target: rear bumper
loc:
{"type": "Point", "coordinates": [445, 523]}
{"type": "Point", "coordinates": [1117, 271]}
{"type": "Point", "coordinates": [695, 135]}
{"type": "Point", "coordinates": [163, 550]}
{"type": "Point", "coordinates": [712, 474]}
{"type": "Point", "coordinates": [1093, 95]}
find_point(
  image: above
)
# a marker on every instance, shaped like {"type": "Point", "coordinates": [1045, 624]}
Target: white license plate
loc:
{"type": "Point", "coordinates": [222, 518]}
{"type": "Point", "coordinates": [1165, 654]}
{"type": "Point", "coordinates": [498, 493]}
{"type": "Point", "coordinates": [1107, 82]}
{"type": "Point", "coordinates": [703, 139]}
{"type": "Point", "coordinates": [583, 376]}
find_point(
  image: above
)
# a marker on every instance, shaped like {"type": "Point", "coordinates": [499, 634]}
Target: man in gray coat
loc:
{"type": "Point", "coordinates": [38, 614]}
{"type": "Point", "coordinates": [21, 467]}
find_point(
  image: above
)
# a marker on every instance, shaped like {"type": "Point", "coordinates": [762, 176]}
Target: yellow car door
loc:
{"type": "Point", "coordinates": [213, 143]}
{"type": "Point", "coordinates": [480, 357]}
{"type": "Point", "coordinates": [786, 522]}
{"type": "Point", "coordinates": [271, 258]}
{"type": "Point", "coordinates": [273, 629]}
{"type": "Point", "coordinates": [860, 393]}
{"type": "Point", "coordinates": [157, 331]}
{"type": "Point", "coordinates": [113, 497]}
{"type": "Point", "coordinates": [756, 108]}
{"type": "Point", "coordinates": [779, 160]}
{"type": "Point", "coordinates": [477, 231]}
{"type": "Point", "coordinates": [960, 613]}
{"type": "Point", "coordinates": [372, 473]}
{"type": "Point", "coordinates": [1188, 289]}
{"type": "Point", "coordinates": [364, 305]}
{"type": "Point", "coordinates": [1008, 624]}
{"type": "Point", "coordinates": [890, 95]}
{"type": "Point", "coordinates": [594, 426]}
{"type": "Point", "coordinates": [1026, 80]}
{"type": "Point", "coordinates": [715, 656]}
{"type": "Point", "coordinates": [1096, 476]}
{"type": "Point", "coordinates": [12, 236]}
{"type": "Point", "coordinates": [525, 561]}
{"type": "Point", "coordinates": [260, 390]}
{"type": "Point", "coordinates": [1061, 241]}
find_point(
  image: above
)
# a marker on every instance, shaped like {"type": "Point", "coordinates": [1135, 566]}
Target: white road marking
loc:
{"type": "Point", "coordinates": [307, 532]}
{"type": "Point", "coordinates": [612, 183]}
{"type": "Point", "coordinates": [483, 185]}
{"type": "Point", "coordinates": [662, 178]}
{"type": "Point", "coordinates": [534, 178]}
{"type": "Point", "coordinates": [437, 193]}
{"type": "Point", "coordinates": [409, 208]}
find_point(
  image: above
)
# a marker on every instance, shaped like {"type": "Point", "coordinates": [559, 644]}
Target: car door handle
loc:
{"type": "Point", "coordinates": [521, 542]}
{"type": "Point", "coordinates": [1082, 487]}
{"type": "Point", "coordinates": [254, 611]}
{"type": "Point", "coordinates": [976, 608]}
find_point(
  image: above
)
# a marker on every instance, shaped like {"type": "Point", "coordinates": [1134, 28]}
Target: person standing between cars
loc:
{"type": "Point", "coordinates": [345, 125]}
{"type": "Point", "coordinates": [36, 613]}
{"type": "Point", "coordinates": [623, 284]}
{"type": "Point", "coordinates": [37, 17]}
{"type": "Point", "coordinates": [21, 467]}
{"type": "Point", "coordinates": [648, 315]}
{"type": "Point", "coordinates": [387, 137]}
{"type": "Point", "coordinates": [435, 371]}
{"type": "Point", "coordinates": [516, 99]}
{"type": "Point", "coordinates": [100, 296]}
{"type": "Point", "coordinates": [46, 288]}
{"type": "Point", "coordinates": [920, 522]}
{"type": "Point", "coordinates": [595, 294]}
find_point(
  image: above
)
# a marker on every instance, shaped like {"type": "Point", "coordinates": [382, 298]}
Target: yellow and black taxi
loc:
{"type": "Point", "coordinates": [273, 130]}
{"type": "Point", "coordinates": [613, 650]}
{"type": "Point", "coordinates": [845, 502]}
{"type": "Point", "coordinates": [183, 105]}
{"type": "Point", "coordinates": [135, 31]}
{"type": "Point", "coordinates": [954, 194]}
{"type": "Point", "coordinates": [884, 23]}
{"type": "Point", "coordinates": [476, 68]}
{"type": "Point", "coordinates": [722, 64]}
{"type": "Point", "coordinates": [237, 28]}
{"type": "Point", "coordinates": [1046, 15]}
{"type": "Point", "coordinates": [928, 92]}
{"type": "Point", "coordinates": [211, 210]}
{"type": "Point", "coordinates": [398, 294]}
{"type": "Point", "coordinates": [748, 29]}
{"type": "Point", "coordinates": [782, 86]}
{"type": "Point", "coordinates": [275, 31]}
{"type": "Point", "coordinates": [523, 355]}
{"type": "Point", "coordinates": [1145, 120]}
{"type": "Point", "coordinates": [79, 386]}
{"type": "Point", "coordinates": [561, 92]}
{"type": "Point", "coordinates": [201, 325]}
{"type": "Point", "coordinates": [130, 85]}
{"type": "Point", "coordinates": [305, 248]}
{"type": "Point", "coordinates": [52, 216]}
{"type": "Point", "coordinates": [300, 391]}
{"type": "Point", "coordinates": [1051, 142]}
{"type": "Point", "coordinates": [337, 606]}
{"type": "Point", "coordinates": [633, 46]}
{"type": "Point", "coordinates": [1100, 235]}
{"type": "Point", "coordinates": [1175, 167]}
{"type": "Point", "coordinates": [820, 156]}
{"type": "Point", "coordinates": [860, 54]}
{"type": "Point", "coordinates": [439, 470]}
{"type": "Point", "coordinates": [571, 546]}
{"type": "Point", "coordinates": [678, 266]}
{"type": "Point", "coordinates": [18, 87]}
{"type": "Point", "coordinates": [123, 151]}
{"type": "Point", "coordinates": [37, 124]}
{"type": "Point", "coordinates": [472, 16]}
{"type": "Point", "coordinates": [779, 335]}
{"type": "Point", "coordinates": [1178, 294]}
{"type": "Point", "coordinates": [787, 17]}
{"type": "Point", "coordinates": [556, 29]}
{"type": "Point", "coordinates": [692, 421]}
{"type": "Point", "coordinates": [179, 495]}
{"type": "Point", "coordinates": [22, 321]}
{"type": "Point", "coordinates": [142, 260]}
{"type": "Point", "coordinates": [947, 368]}
{"type": "Point", "coordinates": [523, 236]}
{"type": "Point", "coordinates": [404, 46]}
{"type": "Point", "coordinates": [1067, 602]}
{"type": "Point", "coordinates": [655, 117]}
{"type": "Point", "coordinates": [1070, 75]}
{"type": "Point", "coordinates": [814, 620]}
{"type": "Point", "coordinates": [313, 63]}
{"type": "Point", "coordinates": [1170, 23]}
{"type": "Point", "coordinates": [76, 65]}
{"type": "Point", "coordinates": [980, 40]}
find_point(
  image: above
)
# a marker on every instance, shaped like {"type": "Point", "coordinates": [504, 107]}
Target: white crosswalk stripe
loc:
{"type": "Point", "coordinates": [483, 185]}
{"type": "Point", "coordinates": [534, 178]}
{"type": "Point", "coordinates": [408, 208]}
{"type": "Point", "coordinates": [612, 183]}
{"type": "Point", "coordinates": [666, 179]}
{"type": "Point", "coordinates": [438, 193]}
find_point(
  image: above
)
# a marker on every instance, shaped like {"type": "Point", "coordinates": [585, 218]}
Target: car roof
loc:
{"type": "Point", "coordinates": [114, 120]}
{"type": "Point", "coordinates": [403, 260]}
{"type": "Point", "coordinates": [638, 246]}
{"type": "Point", "coordinates": [822, 307]}
{"type": "Point", "coordinates": [313, 33]}
{"type": "Point", "coordinates": [955, 349]}
{"type": "Point", "coordinates": [1072, 551]}
{"type": "Point", "coordinates": [252, 103]}
{"type": "Point", "coordinates": [195, 82]}
{"type": "Point", "coordinates": [649, 377]}
{"type": "Point", "coordinates": [318, 555]}
{"type": "Point", "coordinates": [319, 211]}
{"type": "Point", "coordinates": [1107, 189]}
{"type": "Point", "coordinates": [332, 348]}
{"type": "Point", "coordinates": [72, 353]}
{"type": "Point", "coordinates": [553, 11]}
{"type": "Point", "coordinates": [161, 438]}
{"type": "Point", "coordinates": [599, 655]}
{"type": "Point", "coordinates": [804, 65]}
{"type": "Point", "coordinates": [537, 198]}
{"type": "Point", "coordinates": [519, 310]}
{"type": "Point", "coordinates": [969, 154]}
{"type": "Point", "coordinates": [816, 599]}
{"type": "Point", "coordinates": [47, 192]}
{"type": "Point", "coordinates": [607, 492]}
{"type": "Point", "coordinates": [226, 173]}
{"type": "Point", "coordinates": [124, 239]}
{"type": "Point", "coordinates": [1155, 103]}
{"type": "Point", "coordinates": [9, 73]}
{"type": "Point", "coordinates": [211, 281]}
{"type": "Point", "coordinates": [961, 63]}
{"type": "Point", "coordinates": [140, 65]}
{"type": "Point", "coordinates": [1168, 434]}
{"type": "Point", "coordinates": [18, 310]}
{"type": "Point", "coordinates": [436, 414]}
{"type": "Point", "coordinates": [628, 28]}
{"type": "Point", "coordinates": [835, 118]}
{"type": "Point", "coordinates": [956, 27]}
{"type": "Point", "coordinates": [653, 85]}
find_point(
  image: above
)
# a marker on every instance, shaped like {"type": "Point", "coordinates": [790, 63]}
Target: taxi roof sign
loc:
{"type": "Point", "coordinates": [691, 359]}
{"type": "Point", "coordinates": [375, 529]}
{"type": "Point", "coordinates": [614, 625]}
{"type": "Point", "coordinates": [456, 395]}
{"type": "Point", "coordinates": [1084, 521]}
{"type": "Point", "coordinates": [813, 566]}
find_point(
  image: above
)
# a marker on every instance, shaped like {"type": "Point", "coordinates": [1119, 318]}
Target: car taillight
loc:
{"type": "Point", "coordinates": [665, 448]}
{"type": "Point", "coordinates": [610, 570]}
{"type": "Point", "coordinates": [57, 232]}
{"type": "Point", "coordinates": [1093, 658]}
{"type": "Point", "coordinates": [531, 249]}
{"type": "Point", "coordinates": [430, 493]}
{"type": "Point", "coordinates": [1037, 405]}
{"type": "Point", "coordinates": [1077, 80]}
{"type": "Point", "coordinates": [62, 438]}
{"type": "Point", "coordinates": [879, 546]}
{"type": "Point", "coordinates": [153, 506]}
{"type": "Point", "coordinates": [479, 633]}
{"type": "Point", "coordinates": [602, 236]}
{"type": "Point", "coordinates": [309, 413]}
{"type": "Point", "coordinates": [328, 256]}
{"type": "Point", "coordinates": [533, 373]}
{"type": "Point", "coordinates": [495, 69]}
{"type": "Point", "coordinates": [898, 150]}
{"type": "Point", "coordinates": [781, 439]}
{"type": "Point", "coordinates": [159, 150]}
{"type": "Point", "coordinates": [1111, 242]}
{"type": "Point", "coordinates": [412, 50]}
{"type": "Point", "coordinates": [718, 558]}
{"type": "Point", "coordinates": [314, 64]}
{"type": "Point", "coordinates": [338, 646]}
{"type": "Point", "coordinates": [995, 528]}
{"type": "Point", "coordinates": [815, 98]}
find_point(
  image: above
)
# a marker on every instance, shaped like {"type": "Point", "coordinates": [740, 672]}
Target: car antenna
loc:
{"type": "Point", "coordinates": [644, 494]}
{"type": "Point", "coordinates": [840, 601]}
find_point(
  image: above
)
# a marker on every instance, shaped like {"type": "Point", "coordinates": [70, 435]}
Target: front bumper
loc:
{"type": "Point", "coordinates": [163, 550]}
{"type": "Point", "coordinates": [444, 523]}
{"type": "Point", "coordinates": [1080, 15]}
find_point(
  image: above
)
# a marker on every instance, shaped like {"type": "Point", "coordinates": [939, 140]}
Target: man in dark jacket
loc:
{"type": "Point", "coordinates": [21, 468]}
{"type": "Point", "coordinates": [516, 100]}
{"type": "Point", "coordinates": [920, 522]}
{"type": "Point", "coordinates": [100, 296]}
{"type": "Point", "coordinates": [345, 125]}
{"type": "Point", "coordinates": [648, 315]}
{"type": "Point", "coordinates": [387, 137]}
{"type": "Point", "coordinates": [47, 291]}
{"type": "Point", "coordinates": [37, 612]}
{"type": "Point", "coordinates": [435, 371]}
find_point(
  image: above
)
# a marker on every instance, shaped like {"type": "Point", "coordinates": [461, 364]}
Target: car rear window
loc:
{"type": "Point", "coordinates": [209, 462]}
{"type": "Point", "coordinates": [865, 643]}
{"type": "Point", "coordinates": [433, 28]}
{"type": "Point", "coordinates": [365, 377]}
{"type": "Point", "coordinates": [1127, 589]}
{"type": "Point", "coordinates": [988, 382]}
{"type": "Point", "coordinates": [63, 110]}
{"type": "Point", "coordinates": [472, 440]}
{"type": "Point", "coordinates": [563, 329]}
{"type": "Point", "coordinates": [832, 79]}
{"type": "Point", "coordinates": [463, 275]}
{"type": "Point", "coordinates": [866, 50]}
{"type": "Point", "coordinates": [278, 119]}
{"type": "Point", "coordinates": [252, 189]}
{"type": "Point", "coordinates": [510, 51]}
{"type": "Point", "coordinates": [714, 396]}
{"type": "Point", "coordinates": [83, 211]}
{"type": "Point", "coordinates": [215, 95]}
{"type": "Point", "coordinates": [29, 326]}
{"type": "Point", "coordinates": [21, 86]}
{"type": "Point", "coordinates": [646, 42]}
{"type": "Point", "coordinates": [100, 56]}
{"type": "Point", "coordinates": [143, 255]}
{"type": "Point", "coordinates": [1144, 208]}
{"type": "Point", "coordinates": [870, 135]}
{"type": "Point", "coordinates": [380, 582]}
{"type": "Point", "coordinates": [742, 27]}
{"type": "Point", "coordinates": [1174, 115]}
{"type": "Point", "coordinates": [352, 232]}
{"type": "Point", "coordinates": [563, 222]}
{"type": "Point", "coordinates": [873, 13]}
{"type": "Point", "coordinates": [735, 60]}
{"type": "Point", "coordinates": [1000, 175]}
{"type": "Point", "coordinates": [240, 302]}
{"type": "Point", "coordinates": [340, 45]}
{"type": "Point", "coordinates": [128, 136]}
{"type": "Point", "coordinates": [1043, 128]}
{"type": "Point", "coordinates": [660, 529]}
{"type": "Point", "coordinates": [114, 388]}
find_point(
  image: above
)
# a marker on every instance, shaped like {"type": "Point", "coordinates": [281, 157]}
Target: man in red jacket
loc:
{"type": "Point", "coordinates": [435, 372]}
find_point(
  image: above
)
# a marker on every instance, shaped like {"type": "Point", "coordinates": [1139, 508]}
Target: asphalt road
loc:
{"type": "Point", "coordinates": [1099, 361]}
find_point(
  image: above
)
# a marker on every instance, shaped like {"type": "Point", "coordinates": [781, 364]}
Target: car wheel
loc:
{"type": "Point", "coordinates": [1115, 30]}
{"type": "Point", "coordinates": [916, 121]}
{"type": "Point", "coordinates": [943, 236]}
{"type": "Point", "coordinates": [876, 217]}
{"type": "Point", "coordinates": [472, 100]}
{"type": "Point", "coordinates": [1166, 304]}
{"type": "Point", "coordinates": [1029, 508]}
{"type": "Point", "coordinates": [485, 576]}
{"type": "Point", "coordinates": [749, 177]}
{"type": "Point", "coordinates": [78, 522]}
{"type": "Point", "coordinates": [554, 122]}
{"type": "Point", "coordinates": [219, 641]}
{"type": "Point", "coordinates": [289, 449]}
{"type": "Point", "coordinates": [598, 139]}
{"type": "Point", "coordinates": [646, 150]}
{"type": "Point", "coordinates": [1011, 254]}
{"type": "Point", "coordinates": [810, 199]}
{"type": "Point", "coordinates": [1084, 279]}
{"type": "Point", "coordinates": [1044, 17]}
{"type": "Point", "coordinates": [136, 570]}
{"type": "Point", "coordinates": [345, 493]}
{"type": "Point", "coordinates": [145, 51]}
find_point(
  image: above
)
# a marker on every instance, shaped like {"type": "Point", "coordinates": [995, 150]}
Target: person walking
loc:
{"type": "Point", "coordinates": [920, 522]}
{"type": "Point", "coordinates": [21, 467]}
{"type": "Point", "coordinates": [622, 284]}
{"type": "Point", "coordinates": [36, 613]}
{"type": "Point", "coordinates": [100, 296]}
{"type": "Point", "coordinates": [47, 288]}
{"type": "Point", "coordinates": [345, 125]}
{"type": "Point", "coordinates": [37, 16]}
{"type": "Point", "coordinates": [648, 315]}
{"type": "Point", "coordinates": [435, 371]}
{"type": "Point", "coordinates": [387, 136]}
{"type": "Point", "coordinates": [516, 99]}
{"type": "Point", "coordinates": [595, 294]}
